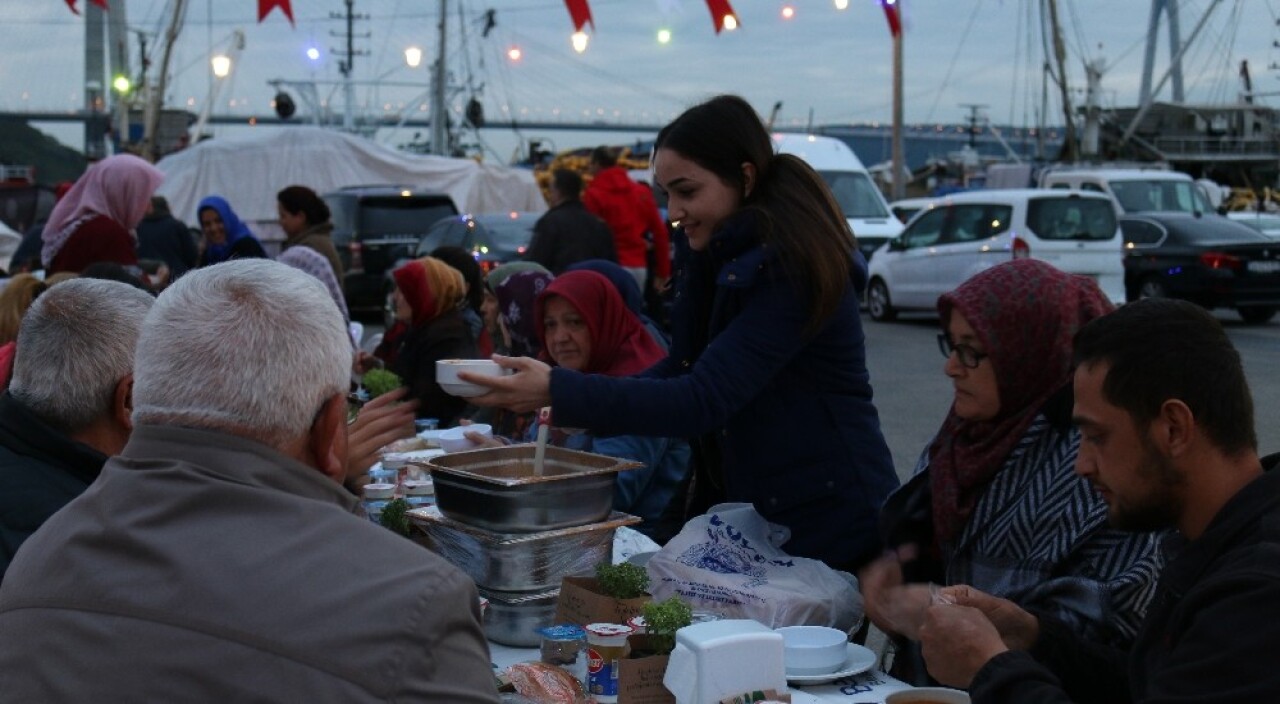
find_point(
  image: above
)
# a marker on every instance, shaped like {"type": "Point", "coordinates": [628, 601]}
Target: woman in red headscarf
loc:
{"type": "Point", "coordinates": [95, 221]}
{"type": "Point", "coordinates": [427, 297]}
{"type": "Point", "coordinates": [584, 325]}
{"type": "Point", "coordinates": [995, 502]}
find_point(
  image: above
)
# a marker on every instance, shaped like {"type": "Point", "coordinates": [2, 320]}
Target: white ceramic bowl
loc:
{"type": "Point", "coordinates": [928, 695]}
{"type": "Point", "coordinates": [447, 375]}
{"type": "Point", "coordinates": [455, 439]}
{"type": "Point", "coordinates": [812, 650]}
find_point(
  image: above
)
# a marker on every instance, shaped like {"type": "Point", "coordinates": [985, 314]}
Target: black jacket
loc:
{"type": "Point", "coordinates": [446, 337]}
{"type": "Point", "coordinates": [41, 470]}
{"type": "Point", "coordinates": [568, 234]}
{"type": "Point", "coordinates": [1209, 636]}
{"type": "Point", "coordinates": [163, 237]}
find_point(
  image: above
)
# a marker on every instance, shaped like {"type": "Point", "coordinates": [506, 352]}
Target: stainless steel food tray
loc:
{"type": "Point", "coordinates": [497, 490]}
{"type": "Point", "coordinates": [514, 619]}
{"type": "Point", "coordinates": [520, 562]}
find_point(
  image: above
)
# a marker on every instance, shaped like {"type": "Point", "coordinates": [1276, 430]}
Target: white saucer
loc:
{"type": "Point", "coordinates": [857, 659]}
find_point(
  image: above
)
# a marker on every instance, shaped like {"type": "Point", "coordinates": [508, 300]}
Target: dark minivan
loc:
{"type": "Point", "coordinates": [376, 226]}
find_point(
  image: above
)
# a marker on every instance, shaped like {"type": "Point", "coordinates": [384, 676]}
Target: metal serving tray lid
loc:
{"type": "Point", "coordinates": [513, 465]}
{"type": "Point", "coordinates": [431, 516]}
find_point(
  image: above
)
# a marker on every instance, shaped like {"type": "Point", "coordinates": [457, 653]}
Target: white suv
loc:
{"type": "Point", "coordinates": [965, 233]}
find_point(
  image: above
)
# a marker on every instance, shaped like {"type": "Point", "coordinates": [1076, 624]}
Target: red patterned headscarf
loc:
{"type": "Point", "coordinates": [620, 344]}
{"type": "Point", "coordinates": [1025, 312]}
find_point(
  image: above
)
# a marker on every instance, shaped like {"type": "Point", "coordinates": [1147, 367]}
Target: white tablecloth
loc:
{"type": "Point", "coordinates": [868, 688]}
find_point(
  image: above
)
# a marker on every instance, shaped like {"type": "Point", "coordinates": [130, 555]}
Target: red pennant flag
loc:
{"type": "Point", "coordinates": [266, 6]}
{"type": "Point", "coordinates": [100, 3]}
{"type": "Point", "coordinates": [580, 13]}
{"type": "Point", "coordinates": [893, 14]}
{"type": "Point", "coordinates": [720, 9]}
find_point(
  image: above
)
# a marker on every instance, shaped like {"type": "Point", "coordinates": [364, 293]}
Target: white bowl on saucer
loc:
{"type": "Point", "coordinates": [812, 650]}
{"type": "Point", "coordinates": [455, 439]}
{"type": "Point", "coordinates": [447, 375]}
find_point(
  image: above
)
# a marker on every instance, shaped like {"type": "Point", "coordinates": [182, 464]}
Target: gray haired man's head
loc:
{"type": "Point", "coordinates": [250, 347]}
{"type": "Point", "coordinates": [75, 345]}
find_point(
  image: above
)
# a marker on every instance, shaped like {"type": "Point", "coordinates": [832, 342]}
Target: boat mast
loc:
{"type": "Point", "coordinates": [439, 128]}
{"type": "Point", "coordinates": [1069, 151]}
{"type": "Point", "coordinates": [155, 97]}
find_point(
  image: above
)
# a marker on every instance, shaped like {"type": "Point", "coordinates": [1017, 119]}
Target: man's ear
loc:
{"type": "Point", "coordinates": [1175, 426]}
{"type": "Point", "coordinates": [122, 403]}
{"type": "Point", "coordinates": [328, 438]}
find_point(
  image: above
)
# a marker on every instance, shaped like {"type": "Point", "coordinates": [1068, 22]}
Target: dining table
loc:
{"type": "Point", "coordinates": [870, 687]}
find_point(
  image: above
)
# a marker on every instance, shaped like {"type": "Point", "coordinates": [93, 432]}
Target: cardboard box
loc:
{"type": "Point", "coordinates": [582, 602]}
{"type": "Point", "coordinates": [640, 679]}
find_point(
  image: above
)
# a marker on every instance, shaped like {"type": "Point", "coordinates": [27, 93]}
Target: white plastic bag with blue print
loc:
{"type": "Point", "coordinates": [727, 562]}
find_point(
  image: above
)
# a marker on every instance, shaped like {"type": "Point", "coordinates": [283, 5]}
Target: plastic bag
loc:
{"type": "Point", "coordinates": [728, 561]}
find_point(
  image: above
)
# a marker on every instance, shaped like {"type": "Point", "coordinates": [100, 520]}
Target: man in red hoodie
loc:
{"type": "Point", "coordinates": [630, 211]}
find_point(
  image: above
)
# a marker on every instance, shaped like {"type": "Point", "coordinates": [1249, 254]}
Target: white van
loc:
{"type": "Point", "coordinates": [1134, 190]}
{"type": "Point", "coordinates": [965, 233]}
{"type": "Point", "coordinates": [850, 182]}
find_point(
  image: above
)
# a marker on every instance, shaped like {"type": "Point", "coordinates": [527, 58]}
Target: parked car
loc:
{"type": "Point", "coordinates": [376, 226]}
{"type": "Point", "coordinates": [494, 238]}
{"type": "Point", "coordinates": [966, 233]}
{"type": "Point", "coordinates": [850, 182]}
{"type": "Point", "coordinates": [906, 208]}
{"type": "Point", "coordinates": [1207, 259]}
{"type": "Point", "coordinates": [1266, 223]}
{"type": "Point", "coordinates": [1134, 190]}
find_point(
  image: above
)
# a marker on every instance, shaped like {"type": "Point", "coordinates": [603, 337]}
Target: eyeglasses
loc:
{"type": "Point", "coordinates": [968, 356]}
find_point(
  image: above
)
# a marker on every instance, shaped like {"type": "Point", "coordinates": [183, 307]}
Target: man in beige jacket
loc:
{"type": "Point", "coordinates": [218, 557]}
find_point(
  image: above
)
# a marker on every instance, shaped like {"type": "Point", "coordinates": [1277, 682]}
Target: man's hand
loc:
{"type": "Point", "coordinates": [527, 390]}
{"type": "Point", "coordinates": [956, 642]}
{"type": "Point", "coordinates": [660, 283]}
{"type": "Point", "coordinates": [380, 422]}
{"type": "Point", "coordinates": [1018, 629]}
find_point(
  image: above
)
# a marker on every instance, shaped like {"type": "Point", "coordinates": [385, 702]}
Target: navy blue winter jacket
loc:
{"type": "Point", "coordinates": [797, 433]}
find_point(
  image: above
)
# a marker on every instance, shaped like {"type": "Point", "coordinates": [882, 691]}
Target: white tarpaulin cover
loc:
{"type": "Point", "coordinates": [249, 170]}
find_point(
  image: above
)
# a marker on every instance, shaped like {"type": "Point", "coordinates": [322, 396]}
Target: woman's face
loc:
{"type": "Point", "coordinates": [291, 223]}
{"type": "Point", "coordinates": [212, 227]}
{"type": "Point", "coordinates": [404, 312]}
{"type": "Point", "coordinates": [697, 199]}
{"type": "Point", "coordinates": [489, 310]}
{"type": "Point", "coordinates": [566, 335]}
{"type": "Point", "coordinates": [977, 392]}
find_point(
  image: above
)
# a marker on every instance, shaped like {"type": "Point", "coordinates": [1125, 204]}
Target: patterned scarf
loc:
{"type": "Point", "coordinates": [516, 295]}
{"type": "Point", "coordinates": [1025, 312]}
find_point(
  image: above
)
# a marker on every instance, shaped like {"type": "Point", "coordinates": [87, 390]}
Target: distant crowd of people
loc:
{"type": "Point", "coordinates": [1091, 521]}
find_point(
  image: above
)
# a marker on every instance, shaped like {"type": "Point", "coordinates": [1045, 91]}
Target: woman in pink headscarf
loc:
{"type": "Point", "coordinates": [94, 222]}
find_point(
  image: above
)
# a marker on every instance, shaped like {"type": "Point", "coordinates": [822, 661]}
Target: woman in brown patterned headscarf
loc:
{"type": "Point", "coordinates": [996, 503]}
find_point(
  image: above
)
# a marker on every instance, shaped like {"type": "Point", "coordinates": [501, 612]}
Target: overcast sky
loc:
{"type": "Point", "coordinates": [834, 63]}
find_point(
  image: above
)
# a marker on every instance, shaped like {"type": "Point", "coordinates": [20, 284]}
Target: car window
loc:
{"type": "Point", "coordinates": [400, 216]}
{"type": "Point", "coordinates": [1071, 218]}
{"type": "Point", "coordinates": [977, 221]}
{"type": "Point", "coordinates": [1159, 195]}
{"type": "Point", "coordinates": [1091, 187]}
{"type": "Point", "coordinates": [1141, 233]}
{"type": "Point", "coordinates": [856, 194]}
{"type": "Point", "coordinates": [511, 233]}
{"type": "Point", "coordinates": [343, 218]}
{"type": "Point", "coordinates": [904, 213]}
{"type": "Point", "coordinates": [926, 230]}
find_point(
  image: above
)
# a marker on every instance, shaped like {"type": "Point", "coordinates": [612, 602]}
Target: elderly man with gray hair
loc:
{"type": "Point", "coordinates": [68, 404]}
{"type": "Point", "coordinates": [218, 557]}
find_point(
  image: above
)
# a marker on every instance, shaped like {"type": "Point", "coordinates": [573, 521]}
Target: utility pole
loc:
{"type": "Point", "coordinates": [899, 156]}
{"type": "Point", "coordinates": [439, 89]}
{"type": "Point", "coordinates": [347, 63]}
{"type": "Point", "coordinates": [155, 98]}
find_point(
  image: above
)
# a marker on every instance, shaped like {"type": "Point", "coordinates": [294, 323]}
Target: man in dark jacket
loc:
{"type": "Point", "coordinates": [567, 233]}
{"type": "Point", "coordinates": [164, 238]}
{"type": "Point", "coordinates": [1168, 439]}
{"type": "Point", "coordinates": [68, 406]}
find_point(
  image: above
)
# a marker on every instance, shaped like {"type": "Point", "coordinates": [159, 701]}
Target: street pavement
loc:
{"type": "Point", "coordinates": [913, 395]}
